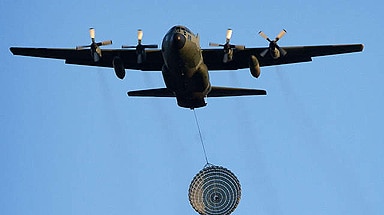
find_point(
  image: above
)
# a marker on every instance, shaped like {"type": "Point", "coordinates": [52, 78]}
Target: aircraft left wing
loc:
{"type": "Point", "coordinates": [154, 59]}
{"type": "Point", "coordinates": [213, 58]}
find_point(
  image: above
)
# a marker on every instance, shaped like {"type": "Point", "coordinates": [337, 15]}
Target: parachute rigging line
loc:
{"type": "Point", "coordinates": [201, 137]}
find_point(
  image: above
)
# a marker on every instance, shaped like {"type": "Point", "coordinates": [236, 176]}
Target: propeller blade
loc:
{"type": "Point", "coordinates": [107, 42]}
{"type": "Point", "coordinates": [264, 36]}
{"type": "Point", "coordinates": [239, 47]}
{"type": "Point", "coordinates": [92, 33]}
{"type": "Point", "coordinates": [151, 46]}
{"type": "Point", "coordinates": [214, 44]}
{"type": "Point", "coordinates": [82, 47]}
{"type": "Point", "coordinates": [139, 59]}
{"type": "Point", "coordinates": [128, 47]}
{"type": "Point", "coordinates": [273, 45]}
{"type": "Point", "coordinates": [228, 35]}
{"type": "Point", "coordinates": [281, 34]}
{"type": "Point", "coordinates": [139, 35]}
{"type": "Point", "coordinates": [225, 58]}
{"type": "Point", "coordinates": [263, 53]}
{"type": "Point", "coordinates": [228, 48]}
{"type": "Point", "coordinates": [282, 51]}
{"type": "Point", "coordinates": [139, 46]}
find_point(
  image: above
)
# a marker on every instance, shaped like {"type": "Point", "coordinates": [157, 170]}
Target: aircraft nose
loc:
{"type": "Point", "coordinates": [178, 41]}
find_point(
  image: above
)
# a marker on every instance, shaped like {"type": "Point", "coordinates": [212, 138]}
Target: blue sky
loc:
{"type": "Point", "coordinates": [72, 142]}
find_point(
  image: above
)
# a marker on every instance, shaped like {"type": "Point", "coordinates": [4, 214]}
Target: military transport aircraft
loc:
{"type": "Point", "coordinates": [184, 65]}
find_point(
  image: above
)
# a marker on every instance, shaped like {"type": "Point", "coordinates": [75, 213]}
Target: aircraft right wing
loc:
{"type": "Point", "coordinates": [213, 57]}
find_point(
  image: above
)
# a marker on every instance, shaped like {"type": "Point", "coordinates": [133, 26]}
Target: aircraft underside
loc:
{"type": "Point", "coordinates": [184, 64]}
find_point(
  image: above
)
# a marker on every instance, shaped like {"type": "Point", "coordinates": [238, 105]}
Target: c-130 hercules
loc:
{"type": "Point", "coordinates": [184, 65]}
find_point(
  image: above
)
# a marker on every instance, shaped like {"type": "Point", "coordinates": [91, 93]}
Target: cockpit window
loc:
{"type": "Point", "coordinates": [189, 31]}
{"type": "Point", "coordinates": [181, 29]}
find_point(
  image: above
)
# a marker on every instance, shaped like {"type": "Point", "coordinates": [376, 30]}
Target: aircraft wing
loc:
{"type": "Point", "coordinates": [213, 58]}
{"type": "Point", "coordinates": [154, 60]}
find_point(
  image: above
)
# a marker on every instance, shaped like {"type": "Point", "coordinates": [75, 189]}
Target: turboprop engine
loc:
{"type": "Point", "coordinates": [140, 48]}
{"type": "Point", "coordinates": [254, 66]}
{"type": "Point", "coordinates": [228, 47]}
{"type": "Point", "coordinates": [274, 50]}
{"type": "Point", "coordinates": [94, 46]}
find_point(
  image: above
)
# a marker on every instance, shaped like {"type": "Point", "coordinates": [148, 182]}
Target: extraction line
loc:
{"type": "Point", "coordinates": [201, 137]}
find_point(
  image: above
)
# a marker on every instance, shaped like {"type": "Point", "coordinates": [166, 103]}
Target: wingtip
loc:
{"type": "Point", "coordinates": [265, 92]}
{"type": "Point", "coordinates": [12, 49]}
{"type": "Point", "coordinates": [362, 47]}
{"type": "Point", "coordinates": [15, 50]}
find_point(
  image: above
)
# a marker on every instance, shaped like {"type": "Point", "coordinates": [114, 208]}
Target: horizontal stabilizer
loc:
{"type": "Point", "coordinates": [159, 92]}
{"type": "Point", "coordinates": [215, 92]}
{"type": "Point", "coordinates": [228, 91]}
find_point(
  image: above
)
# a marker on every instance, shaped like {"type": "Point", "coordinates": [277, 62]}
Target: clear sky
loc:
{"type": "Point", "coordinates": [72, 142]}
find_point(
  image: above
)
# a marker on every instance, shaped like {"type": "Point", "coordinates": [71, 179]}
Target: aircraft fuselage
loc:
{"type": "Point", "coordinates": [184, 71]}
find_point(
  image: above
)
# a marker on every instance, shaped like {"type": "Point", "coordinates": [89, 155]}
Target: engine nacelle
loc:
{"type": "Point", "coordinates": [141, 54]}
{"type": "Point", "coordinates": [118, 66]}
{"type": "Point", "coordinates": [275, 53]}
{"type": "Point", "coordinates": [254, 66]}
{"type": "Point", "coordinates": [96, 53]}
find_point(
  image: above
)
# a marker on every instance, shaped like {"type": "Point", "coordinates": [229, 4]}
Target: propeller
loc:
{"type": "Point", "coordinates": [140, 48]}
{"type": "Point", "coordinates": [228, 48]}
{"type": "Point", "coordinates": [274, 49]}
{"type": "Point", "coordinates": [95, 47]}
{"type": "Point", "coordinates": [92, 35]}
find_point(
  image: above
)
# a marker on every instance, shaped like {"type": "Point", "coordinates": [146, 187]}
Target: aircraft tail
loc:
{"type": "Point", "coordinates": [229, 91]}
{"type": "Point", "coordinates": [215, 92]}
{"type": "Point", "coordinates": [158, 92]}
